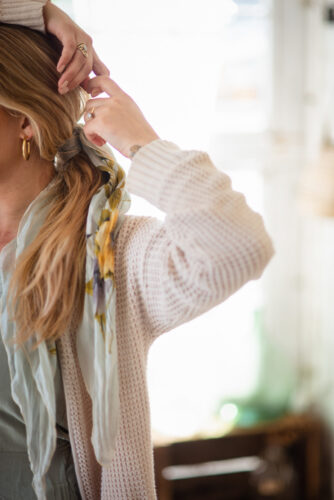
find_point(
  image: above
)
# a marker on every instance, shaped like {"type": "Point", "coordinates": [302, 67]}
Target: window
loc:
{"type": "Point", "coordinates": [200, 72]}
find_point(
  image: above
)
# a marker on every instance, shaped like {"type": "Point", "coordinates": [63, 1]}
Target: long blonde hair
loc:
{"type": "Point", "coordinates": [47, 285]}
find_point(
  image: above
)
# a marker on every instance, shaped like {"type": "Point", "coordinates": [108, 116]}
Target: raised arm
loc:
{"type": "Point", "coordinates": [74, 68]}
{"type": "Point", "coordinates": [210, 244]}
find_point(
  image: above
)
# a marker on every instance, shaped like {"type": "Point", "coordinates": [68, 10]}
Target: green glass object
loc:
{"type": "Point", "coordinates": [273, 392]}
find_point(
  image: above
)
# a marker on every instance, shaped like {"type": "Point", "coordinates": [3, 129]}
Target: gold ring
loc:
{"type": "Point", "coordinates": [83, 49]}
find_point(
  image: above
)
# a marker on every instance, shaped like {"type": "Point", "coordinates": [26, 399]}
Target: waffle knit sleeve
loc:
{"type": "Point", "coordinates": [208, 246]}
{"type": "Point", "coordinates": [28, 13]}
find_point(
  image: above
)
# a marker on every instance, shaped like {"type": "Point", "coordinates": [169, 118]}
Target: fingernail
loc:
{"type": "Point", "coordinates": [95, 93]}
{"type": "Point", "coordinates": [64, 88]}
{"type": "Point", "coordinates": [61, 68]}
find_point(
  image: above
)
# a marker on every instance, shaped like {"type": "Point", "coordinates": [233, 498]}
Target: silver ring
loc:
{"type": "Point", "coordinates": [90, 115]}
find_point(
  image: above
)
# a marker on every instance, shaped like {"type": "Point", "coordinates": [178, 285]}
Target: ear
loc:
{"type": "Point", "coordinates": [26, 130]}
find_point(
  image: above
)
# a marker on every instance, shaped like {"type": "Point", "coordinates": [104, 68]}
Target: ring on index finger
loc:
{"type": "Point", "coordinates": [82, 47]}
{"type": "Point", "coordinates": [90, 114]}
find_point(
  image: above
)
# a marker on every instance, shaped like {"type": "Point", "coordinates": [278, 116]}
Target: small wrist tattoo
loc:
{"type": "Point", "coordinates": [133, 150]}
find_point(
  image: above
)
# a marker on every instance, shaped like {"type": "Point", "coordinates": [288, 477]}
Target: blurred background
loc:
{"type": "Point", "coordinates": [242, 398]}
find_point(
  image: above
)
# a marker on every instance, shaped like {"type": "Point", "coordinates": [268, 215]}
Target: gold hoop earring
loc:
{"type": "Point", "coordinates": [26, 149]}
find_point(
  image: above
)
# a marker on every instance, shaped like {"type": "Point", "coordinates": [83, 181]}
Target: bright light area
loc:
{"type": "Point", "coordinates": [166, 55]}
{"type": "Point", "coordinates": [213, 357]}
{"type": "Point", "coordinates": [229, 412]}
{"type": "Point", "coordinates": [192, 368]}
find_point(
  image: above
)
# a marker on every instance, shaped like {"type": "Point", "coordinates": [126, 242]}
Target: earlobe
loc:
{"type": "Point", "coordinates": [26, 135]}
{"type": "Point", "coordinates": [26, 129]}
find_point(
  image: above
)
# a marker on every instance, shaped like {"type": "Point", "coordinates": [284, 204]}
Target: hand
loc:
{"type": "Point", "coordinates": [117, 119]}
{"type": "Point", "coordinates": [72, 63]}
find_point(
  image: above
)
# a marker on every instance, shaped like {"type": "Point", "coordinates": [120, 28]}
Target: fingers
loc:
{"type": "Point", "coordinates": [68, 52]}
{"type": "Point", "coordinates": [94, 129]}
{"type": "Point", "coordinates": [96, 103]}
{"type": "Point", "coordinates": [101, 84]}
{"type": "Point", "coordinates": [77, 70]}
{"type": "Point", "coordinates": [85, 82]}
{"type": "Point", "coordinates": [95, 139]}
{"type": "Point", "coordinates": [92, 107]}
{"type": "Point", "coordinates": [99, 67]}
{"type": "Point", "coordinates": [73, 64]}
{"type": "Point", "coordinates": [92, 133]}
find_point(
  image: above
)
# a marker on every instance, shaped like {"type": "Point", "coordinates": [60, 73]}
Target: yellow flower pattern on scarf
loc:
{"type": "Point", "coordinates": [103, 280]}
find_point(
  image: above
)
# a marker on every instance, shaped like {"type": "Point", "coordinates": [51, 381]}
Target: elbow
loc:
{"type": "Point", "coordinates": [260, 252]}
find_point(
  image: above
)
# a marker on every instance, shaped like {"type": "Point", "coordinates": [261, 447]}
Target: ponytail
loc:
{"type": "Point", "coordinates": [48, 283]}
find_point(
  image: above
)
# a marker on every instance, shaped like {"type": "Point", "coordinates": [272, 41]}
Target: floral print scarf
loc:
{"type": "Point", "coordinates": [32, 371]}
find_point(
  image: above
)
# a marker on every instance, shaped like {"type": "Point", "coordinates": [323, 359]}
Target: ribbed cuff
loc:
{"type": "Point", "coordinates": [28, 14]}
{"type": "Point", "coordinates": [160, 173]}
{"type": "Point", "coordinates": [149, 169]}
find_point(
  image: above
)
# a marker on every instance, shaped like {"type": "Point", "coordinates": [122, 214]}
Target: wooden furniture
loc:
{"type": "Point", "coordinates": [222, 468]}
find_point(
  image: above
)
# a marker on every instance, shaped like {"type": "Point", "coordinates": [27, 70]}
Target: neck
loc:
{"type": "Point", "coordinates": [19, 186]}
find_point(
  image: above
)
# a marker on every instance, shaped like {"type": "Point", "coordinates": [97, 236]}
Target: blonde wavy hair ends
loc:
{"type": "Point", "coordinates": [48, 283]}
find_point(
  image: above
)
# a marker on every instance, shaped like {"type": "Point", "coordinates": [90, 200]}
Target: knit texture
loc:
{"type": "Point", "coordinates": [167, 273]}
{"type": "Point", "coordinates": [79, 410]}
{"type": "Point", "coordinates": [27, 13]}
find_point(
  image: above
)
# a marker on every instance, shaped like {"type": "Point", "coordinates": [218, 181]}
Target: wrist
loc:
{"type": "Point", "coordinates": [135, 147]}
{"type": "Point", "coordinates": [133, 150]}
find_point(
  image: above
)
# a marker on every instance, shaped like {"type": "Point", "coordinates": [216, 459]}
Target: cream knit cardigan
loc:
{"type": "Point", "coordinates": [167, 273]}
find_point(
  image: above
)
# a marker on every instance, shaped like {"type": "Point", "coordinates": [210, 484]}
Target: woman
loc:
{"type": "Point", "coordinates": [66, 243]}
